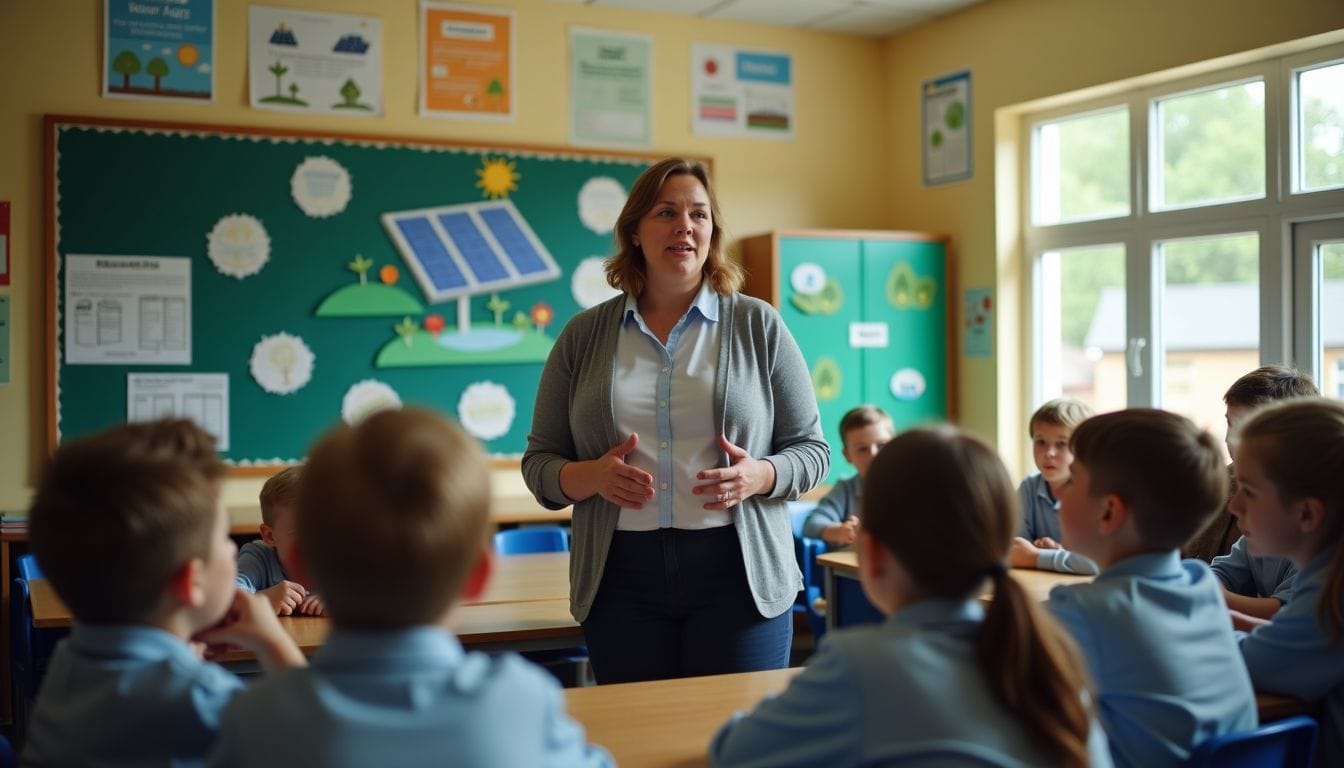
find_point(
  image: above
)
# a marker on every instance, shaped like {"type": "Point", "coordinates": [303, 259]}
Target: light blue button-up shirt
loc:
{"type": "Point", "coordinates": [1253, 575]}
{"type": "Point", "coordinates": [1040, 519]}
{"type": "Point", "coordinates": [259, 567]}
{"type": "Point", "coordinates": [665, 394]}
{"type": "Point", "coordinates": [127, 695]}
{"type": "Point", "coordinates": [406, 698]}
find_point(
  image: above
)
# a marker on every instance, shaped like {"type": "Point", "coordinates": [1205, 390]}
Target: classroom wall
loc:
{"type": "Point", "coordinates": [831, 175]}
{"type": "Point", "coordinates": [1018, 51]}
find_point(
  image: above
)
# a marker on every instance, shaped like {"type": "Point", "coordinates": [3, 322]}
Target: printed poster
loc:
{"type": "Point", "coordinates": [307, 61]}
{"type": "Point", "coordinates": [4, 340]}
{"type": "Point", "coordinates": [466, 61]}
{"type": "Point", "coordinates": [4, 242]}
{"type": "Point", "coordinates": [159, 49]}
{"type": "Point", "coordinates": [736, 92]}
{"type": "Point", "coordinates": [127, 309]}
{"type": "Point", "coordinates": [610, 87]}
{"type": "Point", "coordinates": [202, 398]}
{"type": "Point", "coordinates": [979, 322]}
{"type": "Point", "coordinates": [947, 128]}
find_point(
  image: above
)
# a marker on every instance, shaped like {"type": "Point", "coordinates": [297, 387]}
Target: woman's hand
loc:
{"type": "Point", "coordinates": [609, 477]}
{"type": "Point", "coordinates": [744, 477]}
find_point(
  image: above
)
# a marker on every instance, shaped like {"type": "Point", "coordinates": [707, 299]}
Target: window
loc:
{"type": "Point", "coordinates": [1319, 135]}
{"type": "Point", "coordinates": [1082, 167]}
{"type": "Point", "coordinates": [1210, 146]}
{"type": "Point", "coordinates": [1082, 300]}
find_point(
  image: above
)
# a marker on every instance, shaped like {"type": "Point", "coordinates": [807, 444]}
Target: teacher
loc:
{"type": "Point", "coordinates": [677, 418]}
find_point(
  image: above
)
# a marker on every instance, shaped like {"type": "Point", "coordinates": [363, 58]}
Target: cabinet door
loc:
{"type": "Point", "coordinates": [905, 287]}
{"type": "Point", "coordinates": [819, 297]}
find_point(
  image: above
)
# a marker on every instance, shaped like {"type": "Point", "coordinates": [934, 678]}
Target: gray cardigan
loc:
{"type": "Point", "coordinates": [763, 402]}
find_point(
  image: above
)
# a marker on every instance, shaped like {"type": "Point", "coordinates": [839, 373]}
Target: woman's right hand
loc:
{"type": "Point", "coordinates": [610, 477]}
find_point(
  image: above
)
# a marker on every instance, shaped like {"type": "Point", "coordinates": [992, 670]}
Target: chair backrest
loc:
{"type": "Point", "coordinates": [1289, 743]}
{"type": "Point", "coordinates": [7, 757]}
{"type": "Point", "coordinates": [27, 566]}
{"type": "Point", "coordinates": [798, 512]}
{"type": "Point", "coordinates": [21, 637]}
{"type": "Point", "coordinates": [526, 541]}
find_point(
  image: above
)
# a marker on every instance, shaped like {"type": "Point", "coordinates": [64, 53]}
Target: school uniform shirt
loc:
{"type": "Point", "coordinates": [1292, 655]}
{"type": "Point", "coordinates": [1156, 636]}
{"type": "Point", "coordinates": [835, 507]}
{"type": "Point", "coordinates": [1040, 519]}
{"type": "Point", "coordinates": [259, 567]}
{"type": "Point", "coordinates": [1247, 574]}
{"type": "Point", "coordinates": [126, 695]}
{"type": "Point", "coordinates": [907, 689]}
{"type": "Point", "coordinates": [407, 697]}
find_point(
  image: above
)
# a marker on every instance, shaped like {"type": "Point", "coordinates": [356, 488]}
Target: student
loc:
{"type": "Point", "coordinates": [1290, 503]}
{"type": "Point", "coordinates": [394, 525]}
{"type": "Point", "coordinates": [943, 678]}
{"type": "Point", "coordinates": [1257, 586]}
{"type": "Point", "coordinates": [129, 529]}
{"type": "Point", "coordinates": [1037, 543]}
{"type": "Point", "coordinates": [269, 567]}
{"type": "Point", "coordinates": [1153, 628]}
{"type": "Point", "coordinates": [863, 430]}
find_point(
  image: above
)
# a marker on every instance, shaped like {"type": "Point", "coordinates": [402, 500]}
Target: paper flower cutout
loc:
{"type": "Point", "coordinates": [320, 186]}
{"type": "Point", "coordinates": [907, 384]}
{"type": "Point", "coordinates": [589, 283]}
{"type": "Point", "coordinates": [486, 410]}
{"type": "Point", "coordinates": [282, 364]}
{"type": "Point", "coordinates": [600, 204]}
{"type": "Point", "coordinates": [239, 245]}
{"type": "Point", "coordinates": [367, 397]}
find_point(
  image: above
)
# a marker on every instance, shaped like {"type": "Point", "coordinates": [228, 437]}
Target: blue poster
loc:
{"type": "Point", "coordinates": [159, 49]}
{"type": "Point", "coordinates": [979, 322]}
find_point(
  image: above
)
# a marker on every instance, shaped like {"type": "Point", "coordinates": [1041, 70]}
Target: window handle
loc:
{"type": "Point", "coordinates": [1135, 356]}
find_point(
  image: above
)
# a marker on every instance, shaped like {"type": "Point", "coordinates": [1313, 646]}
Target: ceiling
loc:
{"type": "Point", "coordinates": [873, 18]}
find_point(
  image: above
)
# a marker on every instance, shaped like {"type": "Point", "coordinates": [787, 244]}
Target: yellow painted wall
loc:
{"type": "Point", "coordinates": [1019, 51]}
{"type": "Point", "coordinates": [832, 175]}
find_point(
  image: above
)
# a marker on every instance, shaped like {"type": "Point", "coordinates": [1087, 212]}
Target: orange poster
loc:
{"type": "Point", "coordinates": [466, 61]}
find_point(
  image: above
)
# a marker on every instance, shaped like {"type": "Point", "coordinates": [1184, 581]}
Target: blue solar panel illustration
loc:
{"type": "Point", "coordinates": [456, 251]}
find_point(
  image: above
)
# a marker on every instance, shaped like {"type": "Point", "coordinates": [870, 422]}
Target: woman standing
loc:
{"type": "Point", "coordinates": [678, 418]}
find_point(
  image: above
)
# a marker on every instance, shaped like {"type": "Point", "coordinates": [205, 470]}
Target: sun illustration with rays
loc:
{"type": "Point", "coordinates": [497, 177]}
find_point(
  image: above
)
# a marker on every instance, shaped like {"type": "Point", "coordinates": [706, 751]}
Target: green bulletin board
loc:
{"type": "Point", "coordinates": [337, 279]}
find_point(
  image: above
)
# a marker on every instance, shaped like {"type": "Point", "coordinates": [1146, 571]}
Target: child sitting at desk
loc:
{"type": "Point", "coordinates": [1290, 503]}
{"type": "Point", "coordinates": [1153, 629]}
{"type": "Point", "coordinates": [863, 430]}
{"type": "Point", "coordinates": [943, 678]}
{"type": "Point", "coordinates": [269, 567]}
{"type": "Point", "coordinates": [1037, 543]}
{"type": "Point", "coordinates": [129, 529]}
{"type": "Point", "coordinates": [394, 525]}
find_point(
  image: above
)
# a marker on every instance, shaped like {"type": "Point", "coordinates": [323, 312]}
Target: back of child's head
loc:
{"type": "Point", "coordinates": [118, 513]}
{"type": "Point", "coordinates": [942, 502]}
{"type": "Point", "coordinates": [393, 515]}
{"type": "Point", "coordinates": [861, 416]}
{"type": "Point", "coordinates": [1168, 471]}
{"type": "Point", "coordinates": [1299, 444]}
{"type": "Point", "coordinates": [1267, 384]}
{"type": "Point", "coordinates": [280, 490]}
{"type": "Point", "coordinates": [1066, 412]}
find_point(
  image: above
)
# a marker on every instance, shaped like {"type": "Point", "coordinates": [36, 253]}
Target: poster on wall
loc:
{"type": "Point", "coordinates": [307, 61]}
{"type": "Point", "coordinates": [979, 322]}
{"type": "Point", "coordinates": [159, 50]}
{"type": "Point", "coordinates": [609, 75]}
{"type": "Point", "coordinates": [946, 135]}
{"type": "Point", "coordinates": [736, 92]}
{"type": "Point", "coordinates": [466, 61]}
{"type": "Point", "coordinates": [4, 242]}
{"type": "Point", "coordinates": [127, 309]}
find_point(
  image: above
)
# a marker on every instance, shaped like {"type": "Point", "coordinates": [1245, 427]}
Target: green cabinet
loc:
{"type": "Point", "coordinates": [870, 311]}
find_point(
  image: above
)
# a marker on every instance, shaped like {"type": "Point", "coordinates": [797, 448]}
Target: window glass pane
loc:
{"type": "Point", "coordinates": [1082, 167]}
{"type": "Point", "coordinates": [1320, 122]}
{"type": "Point", "coordinates": [1331, 257]}
{"type": "Point", "coordinates": [1212, 146]}
{"type": "Point", "coordinates": [1210, 323]}
{"type": "Point", "coordinates": [1082, 325]}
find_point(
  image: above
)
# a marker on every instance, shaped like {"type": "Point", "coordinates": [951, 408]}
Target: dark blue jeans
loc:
{"type": "Point", "coordinates": [675, 603]}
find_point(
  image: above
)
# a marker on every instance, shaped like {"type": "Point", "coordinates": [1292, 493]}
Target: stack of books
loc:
{"type": "Point", "coordinates": [13, 521]}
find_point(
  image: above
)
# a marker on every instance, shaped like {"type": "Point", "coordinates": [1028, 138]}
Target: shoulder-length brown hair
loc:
{"type": "Point", "coordinates": [626, 270]}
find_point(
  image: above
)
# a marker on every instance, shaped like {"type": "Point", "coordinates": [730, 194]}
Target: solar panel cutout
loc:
{"type": "Point", "coordinates": [463, 250]}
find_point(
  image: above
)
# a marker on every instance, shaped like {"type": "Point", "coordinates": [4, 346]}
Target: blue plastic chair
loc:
{"type": "Point", "coordinates": [7, 757]}
{"type": "Point", "coordinates": [27, 567]}
{"type": "Point", "coordinates": [806, 549]}
{"type": "Point", "coordinates": [529, 541]}
{"type": "Point", "coordinates": [30, 648]}
{"type": "Point", "coordinates": [1289, 743]}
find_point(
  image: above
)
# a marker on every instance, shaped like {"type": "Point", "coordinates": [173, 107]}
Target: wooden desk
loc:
{"type": "Point", "coordinates": [668, 722]}
{"type": "Point", "coordinates": [525, 509]}
{"type": "Point", "coordinates": [523, 578]}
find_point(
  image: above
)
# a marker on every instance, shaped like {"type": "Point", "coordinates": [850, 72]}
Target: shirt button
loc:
{"type": "Point", "coordinates": [664, 486]}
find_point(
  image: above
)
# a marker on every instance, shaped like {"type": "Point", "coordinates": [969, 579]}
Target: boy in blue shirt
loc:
{"type": "Point", "coordinates": [394, 525]}
{"type": "Point", "coordinates": [1038, 540]}
{"type": "Point", "coordinates": [269, 567]}
{"type": "Point", "coordinates": [864, 430]}
{"type": "Point", "coordinates": [1153, 629]}
{"type": "Point", "coordinates": [129, 529]}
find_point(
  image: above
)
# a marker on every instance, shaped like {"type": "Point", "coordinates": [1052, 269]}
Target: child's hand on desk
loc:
{"type": "Point", "coordinates": [1045, 542]}
{"type": "Point", "coordinates": [252, 624]}
{"type": "Point", "coordinates": [1244, 621]}
{"type": "Point", "coordinates": [312, 606]}
{"type": "Point", "coordinates": [841, 534]}
{"type": "Point", "coordinates": [1022, 553]}
{"type": "Point", "coordinates": [284, 597]}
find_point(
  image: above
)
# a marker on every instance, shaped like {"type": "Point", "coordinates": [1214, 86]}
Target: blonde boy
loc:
{"type": "Point", "coordinates": [1037, 543]}
{"type": "Point", "coordinates": [270, 567]}
{"type": "Point", "coordinates": [129, 529]}
{"type": "Point", "coordinates": [864, 430]}
{"type": "Point", "coordinates": [393, 521]}
{"type": "Point", "coordinates": [1153, 628]}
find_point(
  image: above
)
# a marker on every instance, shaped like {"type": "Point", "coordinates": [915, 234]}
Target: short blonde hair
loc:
{"type": "Point", "coordinates": [626, 270]}
{"type": "Point", "coordinates": [1067, 412]}
{"type": "Point", "coordinates": [393, 514]}
{"type": "Point", "coordinates": [280, 490]}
